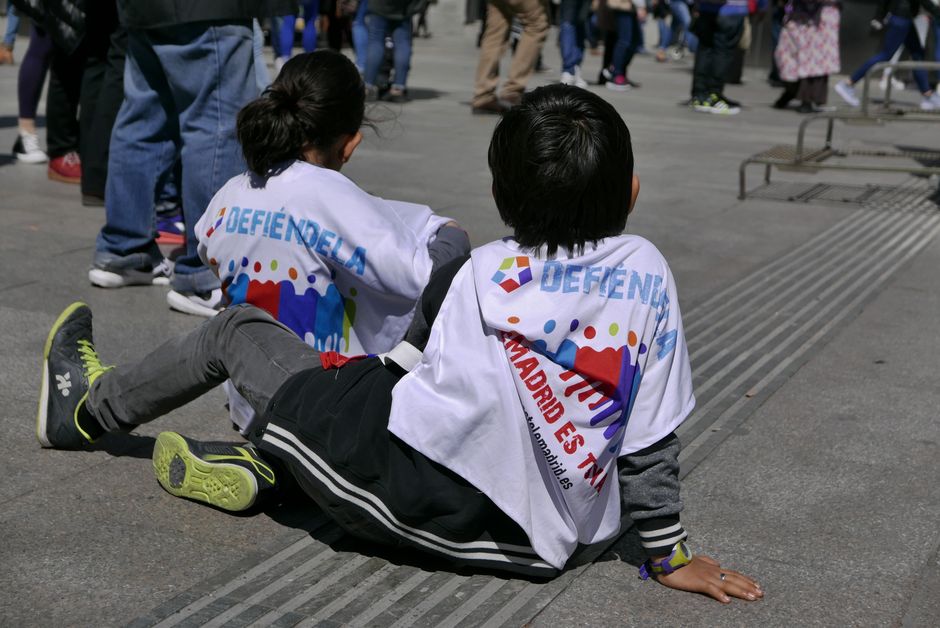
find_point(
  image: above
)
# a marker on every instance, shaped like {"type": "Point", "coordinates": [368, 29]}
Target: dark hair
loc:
{"type": "Point", "coordinates": [562, 167]}
{"type": "Point", "coordinates": [317, 97]}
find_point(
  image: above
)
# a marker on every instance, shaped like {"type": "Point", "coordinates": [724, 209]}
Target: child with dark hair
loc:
{"type": "Point", "coordinates": [341, 268]}
{"type": "Point", "coordinates": [532, 405]}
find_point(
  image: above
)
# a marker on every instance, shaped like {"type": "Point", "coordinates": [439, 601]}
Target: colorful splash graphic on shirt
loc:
{"type": "Point", "coordinates": [513, 273]}
{"type": "Point", "coordinates": [323, 320]}
{"type": "Point", "coordinates": [606, 379]}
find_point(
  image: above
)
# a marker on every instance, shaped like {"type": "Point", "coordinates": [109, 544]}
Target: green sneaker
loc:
{"type": "Point", "coordinates": [70, 366]}
{"type": "Point", "coordinates": [223, 475]}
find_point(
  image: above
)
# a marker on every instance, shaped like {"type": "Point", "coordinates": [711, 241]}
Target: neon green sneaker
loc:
{"type": "Point", "coordinates": [223, 475]}
{"type": "Point", "coordinates": [70, 366]}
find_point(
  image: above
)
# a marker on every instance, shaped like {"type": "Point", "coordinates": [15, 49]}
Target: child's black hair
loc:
{"type": "Point", "coordinates": [562, 166]}
{"type": "Point", "coordinates": [316, 98]}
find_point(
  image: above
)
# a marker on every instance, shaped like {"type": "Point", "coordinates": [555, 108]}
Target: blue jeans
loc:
{"type": "Point", "coordinates": [183, 87]}
{"type": "Point", "coordinates": [309, 38]}
{"type": "Point", "coordinates": [262, 77]}
{"type": "Point", "coordinates": [898, 31]}
{"type": "Point", "coordinates": [681, 21]}
{"type": "Point", "coordinates": [360, 35]}
{"type": "Point", "coordinates": [628, 40]}
{"type": "Point", "coordinates": [13, 25]}
{"type": "Point", "coordinates": [571, 34]}
{"type": "Point", "coordinates": [378, 27]}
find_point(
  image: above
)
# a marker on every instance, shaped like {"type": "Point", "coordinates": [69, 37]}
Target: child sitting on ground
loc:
{"type": "Point", "coordinates": [535, 400]}
{"type": "Point", "coordinates": [342, 268]}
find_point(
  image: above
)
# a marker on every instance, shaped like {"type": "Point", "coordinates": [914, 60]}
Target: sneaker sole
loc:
{"type": "Point", "coordinates": [26, 159]}
{"type": "Point", "coordinates": [107, 279]}
{"type": "Point", "coordinates": [42, 416]}
{"type": "Point", "coordinates": [55, 176]}
{"type": "Point", "coordinates": [180, 303]}
{"type": "Point", "coordinates": [182, 474]}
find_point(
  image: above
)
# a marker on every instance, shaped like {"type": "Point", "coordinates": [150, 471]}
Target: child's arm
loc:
{"type": "Point", "coordinates": [649, 485]}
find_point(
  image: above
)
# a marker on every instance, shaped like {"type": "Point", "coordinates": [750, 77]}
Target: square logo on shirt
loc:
{"type": "Point", "coordinates": [513, 273]}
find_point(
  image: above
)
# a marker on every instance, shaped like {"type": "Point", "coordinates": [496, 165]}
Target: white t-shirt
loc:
{"type": "Point", "coordinates": [539, 374]}
{"type": "Point", "coordinates": [342, 268]}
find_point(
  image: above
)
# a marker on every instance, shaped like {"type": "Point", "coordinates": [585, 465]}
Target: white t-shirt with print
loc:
{"type": "Point", "coordinates": [342, 268]}
{"type": "Point", "coordinates": [538, 374]}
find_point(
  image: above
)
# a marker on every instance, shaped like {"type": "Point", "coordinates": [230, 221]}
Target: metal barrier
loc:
{"type": "Point", "coordinates": [799, 158]}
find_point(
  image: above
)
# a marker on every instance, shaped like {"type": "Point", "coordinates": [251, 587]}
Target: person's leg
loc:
{"type": "Point", "coordinates": [63, 131]}
{"type": "Point", "coordinates": [534, 19]}
{"type": "Point", "coordinates": [31, 77]}
{"type": "Point", "coordinates": [286, 36]}
{"type": "Point", "coordinates": [492, 46]}
{"type": "Point", "coordinates": [142, 149]}
{"type": "Point", "coordinates": [262, 77]}
{"type": "Point", "coordinates": [102, 93]}
{"type": "Point", "coordinates": [360, 35]}
{"type": "Point", "coordinates": [704, 56]}
{"type": "Point", "coordinates": [402, 37]}
{"type": "Point", "coordinates": [377, 27]}
{"type": "Point", "coordinates": [311, 15]}
{"type": "Point", "coordinates": [9, 36]}
{"type": "Point", "coordinates": [916, 50]}
{"type": "Point", "coordinates": [210, 73]}
{"type": "Point", "coordinates": [626, 41]}
{"type": "Point", "coordinates": [727, 36]}
{"type": "Point", "coordinates": [568, 35]}
{"type": "Point", "coordinates": [896, 31]}
{"type": "Point", "coordinates": [243, 343]}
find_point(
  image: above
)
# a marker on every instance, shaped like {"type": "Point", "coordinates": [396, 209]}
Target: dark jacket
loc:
{"type": "Point", "coordinates": [154, 13]}
{"type": "Point", "coordinates": [64, 20]}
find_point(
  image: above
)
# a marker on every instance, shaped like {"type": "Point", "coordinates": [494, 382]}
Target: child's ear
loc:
{"type": "Point", "coordinates": [634, 192]}
{"type": "Point", "coordinates": [350, 145]}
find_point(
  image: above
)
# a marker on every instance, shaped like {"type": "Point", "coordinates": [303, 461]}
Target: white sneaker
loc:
{"type": "Point", "coordinates": [930, 103]}
{"type": "Point", "coordinates": [896, 83]}
{"type": "Point", "coordinates": [26, 149]}
{"type": "Point", "coordinates": [847, 93]}
{"type": "Point", "coordinates": [206, 304]}
{"type": "Point", "coordinates": [575, 78]}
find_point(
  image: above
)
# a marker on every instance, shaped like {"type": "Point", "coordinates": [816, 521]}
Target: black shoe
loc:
{"type": "Point", "coordinates": [782, 102]}
{"type": "Point", "coordinates": [223, 475]}
{"type": "Point", "coordinates": [70, 366]}
{"type": "Point", "coordinates": [492, 107]}
{"type": "Point", "coordinates": [92, 200]}
{"type": "Point", "coordinates": [731, 103]}
{"type": "Point", "coordinates": [396, 95]}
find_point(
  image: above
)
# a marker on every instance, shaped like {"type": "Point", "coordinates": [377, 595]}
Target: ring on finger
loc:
{"type": "Point", "coordinates": [722, 576]}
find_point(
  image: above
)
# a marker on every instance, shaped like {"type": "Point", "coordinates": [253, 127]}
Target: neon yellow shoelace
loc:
{"type": "Point", "coordinates": [90, 361]}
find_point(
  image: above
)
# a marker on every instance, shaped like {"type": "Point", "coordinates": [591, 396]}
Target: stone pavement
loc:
{"type": "Point", "coordinates": [810, 463]}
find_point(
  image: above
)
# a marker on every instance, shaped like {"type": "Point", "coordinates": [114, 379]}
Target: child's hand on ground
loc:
{"type": "Point", "coordinates": [704, 575]}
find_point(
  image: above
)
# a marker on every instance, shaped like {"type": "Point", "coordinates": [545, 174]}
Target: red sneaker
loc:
{"type": "Point", "coordinates": [67, 168]}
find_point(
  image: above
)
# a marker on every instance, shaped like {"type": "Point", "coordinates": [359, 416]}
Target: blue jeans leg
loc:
{"type": "Point", "coordinates": [571, 34]}
{"type": "Point", "coordinates": [13, 25]}
{"type": "Point", "coordinates": [401, 36]}
{"type": "Point", "coordinates": [627, 41]}
{"type": "Point", "coordinates": [360, 35]}
{"type": "Point", "coordinates": [311, 15]}
{"type": "Point", "coordinates": [896, 32]}
{"type": "Point", "coordinates": [286, 36]}
{"type": "Point", "coordinates": [377, 27]}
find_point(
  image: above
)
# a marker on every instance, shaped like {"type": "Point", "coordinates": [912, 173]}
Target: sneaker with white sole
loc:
{"type": "Point", "coordinates": [574, 78]}
{"type": "Point", "coordinates": [847, 93]}
{"type": "Point", "coordinates": [129, 271]}
{"type": "Point", "coordinates": [896, 84]}
{"type": "Point", "coordinates": [224, 475]}
{"type": "Point", "coordinates": [26, 149]}
{"type": "Point", "coordinates": [70, 366]}
{"type": "Point", "coordinates": [206, 304]}
{"type": "Point", "coordinates": [931, 103]}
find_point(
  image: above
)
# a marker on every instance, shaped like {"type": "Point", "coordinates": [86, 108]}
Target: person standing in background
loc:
{"type": "Point", "coordinates": [185, 80]}
{"type": "Point", "coordinates": [808, 52]}
{"type": "Point", "coordinates": [9, 36]}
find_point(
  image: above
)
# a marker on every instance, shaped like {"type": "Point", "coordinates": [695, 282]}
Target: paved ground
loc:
{"type": "Point", "coordinates": [810, 464]}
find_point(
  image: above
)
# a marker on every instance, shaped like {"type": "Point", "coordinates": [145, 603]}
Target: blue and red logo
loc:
{"type": "Point", "coordinates": [513, 273]}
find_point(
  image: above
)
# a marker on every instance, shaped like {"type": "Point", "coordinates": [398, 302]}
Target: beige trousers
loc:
{"type": "Point", "coordinates": [499, 14]}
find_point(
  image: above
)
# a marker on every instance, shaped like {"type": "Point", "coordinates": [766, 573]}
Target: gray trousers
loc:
{"type": "Point", "coordinates": [242, 343]}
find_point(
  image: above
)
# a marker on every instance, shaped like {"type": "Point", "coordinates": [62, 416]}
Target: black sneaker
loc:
{"type": "Point", "coordinates": [223, 475]}
{"type": "Point", "coordinates": [70, 365]}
